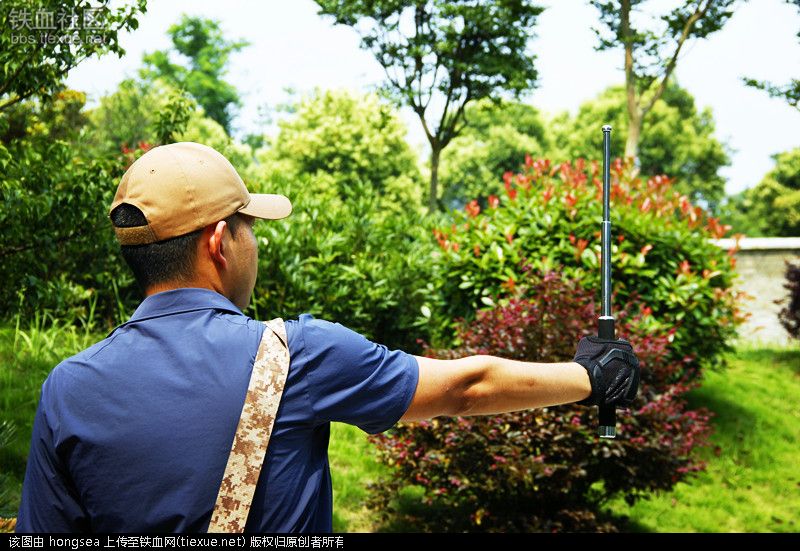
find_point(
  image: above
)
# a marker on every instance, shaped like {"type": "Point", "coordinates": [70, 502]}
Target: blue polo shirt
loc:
{"type": "Point", "coordinates": [133, 433]}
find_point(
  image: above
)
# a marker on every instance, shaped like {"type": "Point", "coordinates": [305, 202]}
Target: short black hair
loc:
{"type": "Point", "coordinates": [169, 260]}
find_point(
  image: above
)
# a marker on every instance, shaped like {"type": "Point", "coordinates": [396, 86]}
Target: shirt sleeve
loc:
{"type": "Point", "coordinates": [49, 503]}
{"type": "Point", "coordinates": [354, 380]}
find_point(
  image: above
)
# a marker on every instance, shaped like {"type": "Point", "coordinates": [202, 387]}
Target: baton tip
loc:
{"type": "Point", "coordinates": [607, 128]}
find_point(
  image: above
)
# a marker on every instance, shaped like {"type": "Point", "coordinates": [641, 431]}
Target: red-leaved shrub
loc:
{"type": "Point", "coordinates": [544, 469]}
{"type": "Point", "coordinates": [789, 315]}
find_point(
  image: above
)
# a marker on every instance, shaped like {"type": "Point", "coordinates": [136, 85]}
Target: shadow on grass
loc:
{"type": "Point", "coordinates": [732, 424]}
{"type": "Point", "coordinates": [786, 356]}
{"type": "Point", "coordinates": [408, 506]}
{"type": "Point", "coordinates": [732, 419]}
{"type": "Point", "coordinates": [727, 413]}
{"type": "Point", "coordinates": [628, 525]}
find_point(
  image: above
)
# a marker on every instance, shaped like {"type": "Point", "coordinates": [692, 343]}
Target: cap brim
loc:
{"type": "Point", "coordinates": [267, 206]}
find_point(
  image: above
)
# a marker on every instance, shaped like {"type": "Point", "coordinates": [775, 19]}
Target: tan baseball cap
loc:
{"type": "Point", "coordinates": [185, 186]}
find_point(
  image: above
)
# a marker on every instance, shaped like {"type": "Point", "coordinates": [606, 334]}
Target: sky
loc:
{"type": "Point", "coordinates": [291, 47]}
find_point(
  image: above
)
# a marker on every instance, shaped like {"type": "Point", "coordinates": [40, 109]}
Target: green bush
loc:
{"type": "Point", "coordinates": [550, 219]}
{"type": "Point", "coordinates": [125, 117]}
{"type": "Point", "coordinates": [58, 243]}
{"type": "Point", "coordinates": [356, 249]}
{"type": "Point", "coordinates": [58, 176]}
{"type": "Point", "coordinates": [348, 261]}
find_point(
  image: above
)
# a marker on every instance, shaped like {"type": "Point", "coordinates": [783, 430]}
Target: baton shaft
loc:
{"type": "Point", "coordinates": [606, 172]}
{"type": "Point", "coordinates": [605, 274]}
{"type": "Point", "coordinates": [605, 325]}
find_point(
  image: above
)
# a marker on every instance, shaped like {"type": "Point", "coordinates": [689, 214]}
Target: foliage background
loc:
{"type": "Point", "coordinates": [520, 198]}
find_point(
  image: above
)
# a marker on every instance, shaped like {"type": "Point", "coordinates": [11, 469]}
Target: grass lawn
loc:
{"type": "Point", "coordinates": [353, 466]}
{"type": "Point", "coordinates": [752, 485]}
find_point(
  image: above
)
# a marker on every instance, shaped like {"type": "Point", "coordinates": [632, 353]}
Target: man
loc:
{"type": "Point", "coordinates": [133, 434]}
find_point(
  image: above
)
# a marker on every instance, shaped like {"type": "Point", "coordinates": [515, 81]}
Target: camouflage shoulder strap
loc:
{"type": "Point", "coordinates": [252, 434]}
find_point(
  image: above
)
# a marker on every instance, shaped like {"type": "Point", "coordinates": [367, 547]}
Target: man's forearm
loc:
{"type": "Point", "coordinates": [502, 385]}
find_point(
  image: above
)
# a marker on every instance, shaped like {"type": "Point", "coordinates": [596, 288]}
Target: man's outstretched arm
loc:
{"type": "Point", "coordinates": [481, 385]}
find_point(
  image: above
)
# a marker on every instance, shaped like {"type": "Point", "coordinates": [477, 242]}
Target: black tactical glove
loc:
{"type": "Point", "coordinates": [613, 371]}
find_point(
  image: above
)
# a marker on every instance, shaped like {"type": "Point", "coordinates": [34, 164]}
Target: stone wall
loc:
{"type": "Point", "coordinates": [761, 265]}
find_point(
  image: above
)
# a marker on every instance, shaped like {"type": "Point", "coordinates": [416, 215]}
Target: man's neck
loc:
{"type": "Point", "coordinates": [170, 286]}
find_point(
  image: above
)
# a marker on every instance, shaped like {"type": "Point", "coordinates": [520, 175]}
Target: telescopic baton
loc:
{"type": "Point", "coordinates": [605, 323]}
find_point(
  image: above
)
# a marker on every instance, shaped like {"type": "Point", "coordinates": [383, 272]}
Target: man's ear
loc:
{"type": "Point", "coordinates": [215, 247]}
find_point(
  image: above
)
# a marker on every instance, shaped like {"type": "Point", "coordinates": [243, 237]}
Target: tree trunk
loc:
{"type": "Point", "coordinates": [634, 132]}
{"type": "Point", "coordinates": [433, 204]}
{"type": "Point", "coordinates": [634, 113]}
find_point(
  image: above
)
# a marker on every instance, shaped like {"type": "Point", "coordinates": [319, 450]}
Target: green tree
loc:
{"type": "Point", "coordinates": [456, 51]}
{"type": "Point", "coordinates": [352, 140]}
{"type": "Point", "coordinates": [676, 139]}
{"type": "Point", "coordinates": [652, 52]}
{"type": "Point", "coordinates": [772, 207]}
{"type": "Point", "coordinates": [496, 140]}
{"type": "Point", "coordinates": [207, 52]}
{"type": "Point", "coordinates": [789, 92]}
{"type": "Point", "coordinates": [34, 59]}
{"type": "Point", "coordinates": [59, 117]}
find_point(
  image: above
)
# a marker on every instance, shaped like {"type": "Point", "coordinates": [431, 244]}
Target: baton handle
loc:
{"type": "Point", "coordinates": [608, 414]}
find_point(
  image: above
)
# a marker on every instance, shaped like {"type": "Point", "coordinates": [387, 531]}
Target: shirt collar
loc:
{"type": "Point", "coordinates": [185, 299]}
